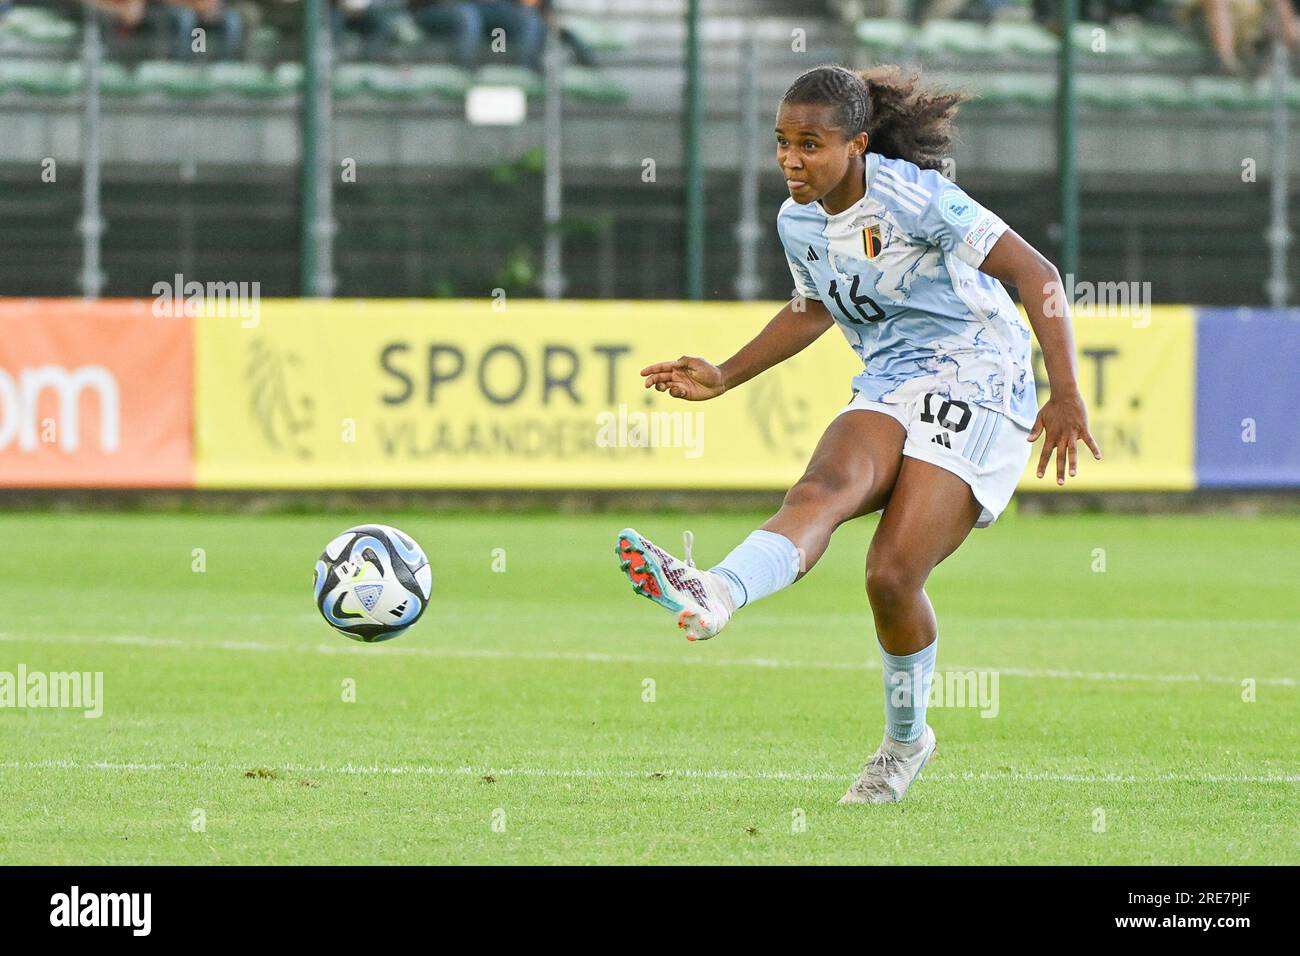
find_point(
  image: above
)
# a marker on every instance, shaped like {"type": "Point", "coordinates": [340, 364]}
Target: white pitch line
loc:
{"type": "Point", "coordinates": [1020, 776]}
{"type": "Point", "coordinates": [855, 618]}
{"type": "Point", "coordinates": [460, 653]}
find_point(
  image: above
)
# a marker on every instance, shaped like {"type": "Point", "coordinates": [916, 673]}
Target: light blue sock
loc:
{"type": "Point", "coordinates": [762, 564]}
{"type": "Point", "coordinates": [907, 691]}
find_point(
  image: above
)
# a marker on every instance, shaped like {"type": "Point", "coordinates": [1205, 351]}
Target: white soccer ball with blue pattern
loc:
{"type": "Point", "coordinates": [372, 583]}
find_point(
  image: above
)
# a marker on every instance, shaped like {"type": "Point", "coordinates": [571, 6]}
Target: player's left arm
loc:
{"type": "Point", "coordinates": [1063, 418]}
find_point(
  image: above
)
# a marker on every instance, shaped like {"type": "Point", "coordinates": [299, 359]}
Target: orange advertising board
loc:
{"type": "Point", "coordinates": [94, 395]}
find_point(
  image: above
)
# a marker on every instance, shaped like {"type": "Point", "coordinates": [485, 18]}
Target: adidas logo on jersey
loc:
{"type": "Point", "coordinates": [942, 439]}
{"type": "Point", "coordinates": [812, 255]}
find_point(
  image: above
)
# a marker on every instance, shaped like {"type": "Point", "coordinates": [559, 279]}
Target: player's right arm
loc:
{"type": "Point", "coordinates": [791, 330]}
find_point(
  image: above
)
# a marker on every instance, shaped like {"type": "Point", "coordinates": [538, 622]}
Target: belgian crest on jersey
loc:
{"type": "Point", "coordinates": [871, 241]}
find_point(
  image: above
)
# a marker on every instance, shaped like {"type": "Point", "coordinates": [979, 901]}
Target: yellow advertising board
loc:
{"type": "Point", "coordinates": [1137, 374]}
{"type": "Point", "coordinates": [456, 394]}
{"type": "Point", "coordinates": [459, 394]}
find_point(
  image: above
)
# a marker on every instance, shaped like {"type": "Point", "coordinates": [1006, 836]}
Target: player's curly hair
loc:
{"type": "Point", "coordinates": [902, 117]}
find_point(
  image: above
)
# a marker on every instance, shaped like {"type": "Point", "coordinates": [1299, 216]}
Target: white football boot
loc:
{"type": "Point", "coordinates": [700, 600]}
{"type": "Point", "coordinates": [888, 775]}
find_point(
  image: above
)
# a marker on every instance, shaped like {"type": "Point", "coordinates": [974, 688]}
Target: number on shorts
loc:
{"type": "Point", "coordinates": [943, 415]}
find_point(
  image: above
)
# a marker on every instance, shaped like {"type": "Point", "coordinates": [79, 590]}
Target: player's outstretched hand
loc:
{"type": "Point", "coordinates": [689, 377]}
{"type": "Point", "coordinates": [1064, 419]}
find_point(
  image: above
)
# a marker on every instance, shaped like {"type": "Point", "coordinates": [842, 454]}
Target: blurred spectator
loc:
{"type": "Point", "coordinates": [581, 52]}
{"type": "Point", "coordinates": [1048, 12]}
{"type": "Point", "coordinates": [221, 23]}
{"type": "Point", "coordinates": [119, 22]}
{"type": "Point", "coordinates": [1238, 29]}
{"type": "Point", "coordinates": [919, 11]}
{"type": "Point", "coordinates": [172, 24]}
{"type": "Point", "coordinates": [283, 16]}
{"type": "Point", "coordinates": [279, 22]}
{"type": "Point", "coordinates": [914, 11]}
{"type": "Point", "coordinates": [461, 20]}
{"type": "Point", "coordinates": [470, 22]}
{"type": "Point", "coordinates": [523, 28]}
{"type": "Point", "coordinates": [379, 23]}
{"type": "Point", "coordinates": [125, 15]}
{"type": "Point", "coordinates": [1134, 9]}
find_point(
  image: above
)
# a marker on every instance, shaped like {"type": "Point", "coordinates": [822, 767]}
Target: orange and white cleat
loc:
{"type": "Point", "coordinates": [700, 600]}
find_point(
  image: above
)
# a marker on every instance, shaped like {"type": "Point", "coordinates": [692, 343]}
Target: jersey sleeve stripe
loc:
{"type": "Point", "coordinates": [903, 185]}
{"type": "Point", "coordinates": [906, 202]}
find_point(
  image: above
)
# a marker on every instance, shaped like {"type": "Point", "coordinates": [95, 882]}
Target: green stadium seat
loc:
{"type": "Point", "coordinates": [288, 77]}
{"type": "Point", "coordinates": [1023, 39]}
{"type": "Point", "coordinates": [585, 83]}
{"type": "Point", "coordinates": [350, 79]}
{"type": "Point", "coordinates": [40, 77]}
{"type": "Point", "coordinates": [417, 81]}
{"type": "Point", "coordinates": [1018, 90]}
{"type": "Point", "coordinates": [1163, 92]}
{"type": "Point", "coordinates": [1293, 95]}
{"type": "Point", "coordinates": [954, 38]}
{"type": "Point", "coordinates": [1123, 93]}
{"type": "Point", "coordinates": [1108, 92]}
{"type": "Point", "coordinates": [443, 79]}
{"type": "Point", "coordinates": [971, 85]}
{"type": "Point", "coordinates": [884, 36]}
{"type": "Point", "coordinates": [6, 78]}
{"type": "Point", "coordinates": [182, 80]}
{"type": "Point", "coordinates": [509, 75]}
{"type": "Point", "coordinates": [1263, 93]}
{"type": "Point", "coordinates": [393, 82]}
{"type": "Point", "coordinates": [40, 26]}
{"type": "Point", "coordinates": [243, 79]}
{"type": "Point", "coordinates": [599, 35]}
{"type": "Point", "coordinates": [1168, 43]}
{"type": "Point", "coordinates": [116, 79]}
{"type": "Point", "coordinates": [1119, 44]}
{"type": "Point", "coordinates": [264, 42]}
{"type": "Point", "coordinates": [412, 82]}
{"type": "Point", "coordinates": [1226, 93]}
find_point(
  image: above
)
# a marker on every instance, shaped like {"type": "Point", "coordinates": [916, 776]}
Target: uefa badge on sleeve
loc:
{"type": "Point", "coordinates": [957, 208]}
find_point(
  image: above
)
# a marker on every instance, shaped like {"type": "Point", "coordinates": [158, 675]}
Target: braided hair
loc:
{"type": "Point", "coordinates": [903, 119]}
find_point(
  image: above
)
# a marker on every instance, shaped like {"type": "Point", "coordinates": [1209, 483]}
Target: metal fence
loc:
{"type": "Point", "coordinates": [254, 185]}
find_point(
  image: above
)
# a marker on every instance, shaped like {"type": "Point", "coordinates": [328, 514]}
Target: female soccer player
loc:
{"type": "Point", "coordinates": [945, 410]}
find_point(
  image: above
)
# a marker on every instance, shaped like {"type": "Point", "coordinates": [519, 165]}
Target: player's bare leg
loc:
{"type": "Point", "coordinates": [930, 513]}
{"type": "Point", "coordinates": [851, 473]}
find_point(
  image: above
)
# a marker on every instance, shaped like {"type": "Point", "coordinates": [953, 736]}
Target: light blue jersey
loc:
{"type": "Point", "coordinates": [899, 272]}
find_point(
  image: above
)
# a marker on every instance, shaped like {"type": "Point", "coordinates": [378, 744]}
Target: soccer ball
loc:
{"type": "Point", "coordinates": [372, 583]}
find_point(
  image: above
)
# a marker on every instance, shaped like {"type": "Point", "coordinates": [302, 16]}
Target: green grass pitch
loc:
{"type": "Point", "coordinates": [512, 725]}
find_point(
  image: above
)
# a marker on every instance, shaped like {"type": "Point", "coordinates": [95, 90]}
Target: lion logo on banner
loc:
{"type": "Point", "coordinates": [285, 414]}
{"type": "Point", "coordinates": [781, 418]}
